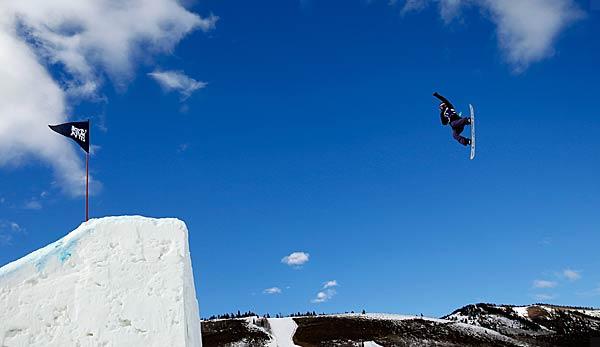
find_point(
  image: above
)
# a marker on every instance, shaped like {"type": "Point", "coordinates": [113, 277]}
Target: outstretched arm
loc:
{"type": "Point", "coordinates": [443, 99]}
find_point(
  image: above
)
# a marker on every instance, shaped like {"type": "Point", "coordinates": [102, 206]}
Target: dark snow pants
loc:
{"type": "Point", "coordinates": [457, 128]}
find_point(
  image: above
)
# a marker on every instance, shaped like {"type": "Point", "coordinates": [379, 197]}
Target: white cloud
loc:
{"type": "Point", "coordinates": [526, 30]}
{"type": "Point", "coordinates": [324, 296]}
{"type": "Point", "coordinates": [321, 297]}
{"type": "Point", "coordinates": [178, 81]}
{"type": "Point", "coordinates": [327, 292]}
{"type": "Point", "coordinates": [330, 284]}
{"type": "Point", "coordinates": [271, 291]}
{"type": "Point", "coordinates": [544, 284]}
{"type": "Point", "coordinates": [82, 41]}
{"type": "Point", "coordinates": [296, 259]}
{"type": "Point", "coordinates": [572, 275]}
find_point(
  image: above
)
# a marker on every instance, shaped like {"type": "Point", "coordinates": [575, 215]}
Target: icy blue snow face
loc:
{"type": "Point", "coordinates": [62, 251]}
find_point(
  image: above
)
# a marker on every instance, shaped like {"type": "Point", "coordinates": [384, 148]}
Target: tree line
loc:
{"type": "Point", "coordinates": [247, 314]}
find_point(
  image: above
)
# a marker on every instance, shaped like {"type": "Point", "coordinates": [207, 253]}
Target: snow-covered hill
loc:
{"type": "Point", "coordinates": [117, 281]}
{"type": "Point", "coordinates": [348, 330]}
{"type": "Point", "coordinates": [536, 324]}
{"type": "Point", "coordinates": [473, 325]}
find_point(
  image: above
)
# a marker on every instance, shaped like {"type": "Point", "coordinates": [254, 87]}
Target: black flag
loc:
{"type": "Point", "coordinates": [78, 131]}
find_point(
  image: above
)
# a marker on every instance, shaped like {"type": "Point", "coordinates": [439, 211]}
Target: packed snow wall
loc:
{"type": "Point", "coordinates": [115, 281]}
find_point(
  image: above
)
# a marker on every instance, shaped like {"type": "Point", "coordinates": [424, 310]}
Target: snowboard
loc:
{"type": "Point", "coordinates": [472, 132]}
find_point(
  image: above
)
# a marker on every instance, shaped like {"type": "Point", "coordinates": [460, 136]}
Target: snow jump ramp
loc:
{"type": "Point", "coordinates": [112, 282]}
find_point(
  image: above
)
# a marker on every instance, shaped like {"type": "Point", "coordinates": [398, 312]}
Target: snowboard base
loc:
{"type": "Point", "coordinates": [472, 132]}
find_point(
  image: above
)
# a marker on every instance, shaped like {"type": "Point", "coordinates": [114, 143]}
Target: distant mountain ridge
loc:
{"type": "Point", "coordinates": [538, 325]}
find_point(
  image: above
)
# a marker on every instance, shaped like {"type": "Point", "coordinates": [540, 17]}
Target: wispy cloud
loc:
{"type": "Point", "coordinates": [526, 30]}
{"type": "Point", "coordinates": [273, 290]}
{"type": "Point", "coordinates": [296, 259]}
{"type": "Point", "coordinates": [330, 284]}
{"type": "Point", "coordinates": [411, 5]}
{"type": "Point", "coordinates": [15, 227]}
{"type": "Point", "coordinates": [177, 81]}
{"type": "Point", "coordinates": [324, 296]}
{"type": "Point", "coordinates": [8, 230]}
{"type": "Point", "coordinates": [33, 205]}
{"type": "Point", "coordinates": [571, 275]}
{"type": "Point", "coordinates": [326, 293]}
{"type": "Point", "coordinates": [544, 284]}
{"type": "Point", "coordinates": [84, 42]}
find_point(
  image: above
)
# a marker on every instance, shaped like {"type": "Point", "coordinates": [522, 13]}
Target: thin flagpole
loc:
{"type": "Point", "coordinates": [87, 185]}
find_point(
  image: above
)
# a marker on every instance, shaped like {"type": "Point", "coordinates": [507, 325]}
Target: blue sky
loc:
{"type": "Point", "coordinates": [309, 126]}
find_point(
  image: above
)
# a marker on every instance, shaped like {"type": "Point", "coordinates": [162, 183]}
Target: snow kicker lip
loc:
{"type": "Point", "coordinates": [117, 280]}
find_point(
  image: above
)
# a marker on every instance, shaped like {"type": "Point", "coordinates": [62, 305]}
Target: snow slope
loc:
{"type": "Point", "coordinates": [534, 321]}
{"type": "Point", "coordinates": [282, 330]}
{"type": "Point", "coordinates": [115, 281]}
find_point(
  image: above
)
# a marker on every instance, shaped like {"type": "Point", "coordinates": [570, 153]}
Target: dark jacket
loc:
{"type": "Point", "coordinates": [447, 114]}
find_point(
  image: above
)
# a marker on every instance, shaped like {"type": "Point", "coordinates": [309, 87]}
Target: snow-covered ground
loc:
{"type": "Point", "coordinates": [521, 311]}
{"type": "Point", "coordinates": [282, 330]}
{"type": "Point", "coordinates": [591, 313]}
{"type": "Point", "coordinates": [116, 281]}
{"type": "Point", "coordinates": [477, 330]}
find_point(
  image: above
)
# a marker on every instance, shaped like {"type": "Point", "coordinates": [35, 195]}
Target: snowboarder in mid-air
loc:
{"type": "Point", "coordinates": [449, 116]}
